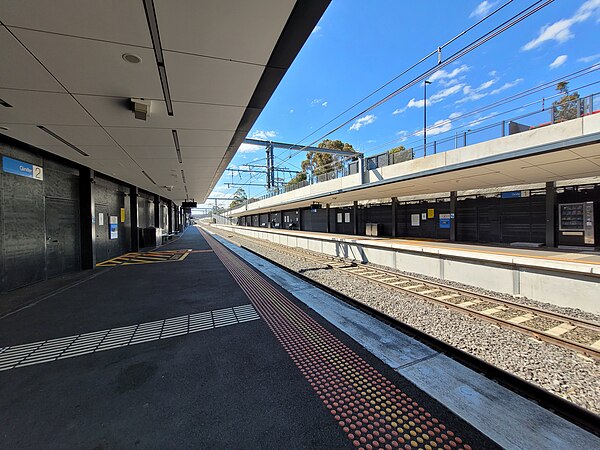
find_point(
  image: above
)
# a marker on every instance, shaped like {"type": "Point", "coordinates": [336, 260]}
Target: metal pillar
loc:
{"type": "Point", "coordinates": [453, 216]}
{"type": "Point", "coordinates": [156, 211]}
{"type": "Point", "coordinates": [134, 214]}
{"type": "Point", "coordinates": [170, 218]}
{"type": "Point", "coordinates": [328, 218]}
{"type": "Point", "coordinates": [355, 217]}
{"type": "Point", "coordinates": [87, 218]}
{"type": "Point", "coordinates": [299, 219]}
{"type": "Point", "coordinates": [394, 217]}
{"type": "Point", "coordinates": [551, 214]}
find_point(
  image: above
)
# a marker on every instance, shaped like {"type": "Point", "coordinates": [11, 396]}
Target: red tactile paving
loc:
{"type": "Point", "coordinates": [372, 412]}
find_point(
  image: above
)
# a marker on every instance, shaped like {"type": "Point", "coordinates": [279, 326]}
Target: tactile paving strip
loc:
{"type": "Point", "coordinates": [97, 341]}
{"type": "Point", "coordinates": [371, 410]}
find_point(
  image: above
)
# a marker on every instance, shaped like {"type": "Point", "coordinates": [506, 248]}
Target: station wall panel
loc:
{"type": "Point", "coordinates": [39, 219]}
{"type": "Point", "coordinates": [314, 221]}
{"type": "Point", "coordinates": [110, 197]}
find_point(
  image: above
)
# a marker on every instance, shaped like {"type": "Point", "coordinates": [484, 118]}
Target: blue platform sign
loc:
{"type": "Point", "coordinates": [21, 168]}
{"type": "Point", "coordinates": [445, 220]}
{"type": "Point", "coordinates": [511, 194]}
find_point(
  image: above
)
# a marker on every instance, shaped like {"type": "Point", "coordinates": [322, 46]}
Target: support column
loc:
{"type": "Point", "coordinates": [170, 218]}
{"type": "Point", "coordinates": [156, 211]}
{"type": "Point", "coordinates": [551, 214]}
{"type": "Point", "coordinates": [134, 214]}
{"type": "Point", "coordinates": [328, 218]}
{"type": "Point", "coordinates": [87, 218]}
{"type": "Point", "coordinates": [299, 219]}
{"type": "Point", "coordinates": [453, 216]}
{"type": "Point", "coordinates": [394, 217]}
{"type": "Point", "coordinates": [355, 218]}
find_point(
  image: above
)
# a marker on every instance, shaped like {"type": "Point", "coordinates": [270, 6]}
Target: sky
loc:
{"type": "Point", "coordinates": [358, 46]}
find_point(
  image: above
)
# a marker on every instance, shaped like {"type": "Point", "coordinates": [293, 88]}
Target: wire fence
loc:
{"type": "Point", "coordinates": [556, 112]}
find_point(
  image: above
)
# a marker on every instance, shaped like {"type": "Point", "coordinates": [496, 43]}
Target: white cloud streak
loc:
{"type": "Point", "coordinates": [482, 9]}
{"type": "Point", "coordinates": [363, 121]}
{"type": "Point", "coordinates": [589, 59]}
{"type": "Point", "coordinates": [442, 74]}
{"type": "Point", "coordinates": [560, 31]}
{"type": "Point", "coordinates": [506, 86]}
{"type": "Point", "coordinates": [559, 61]}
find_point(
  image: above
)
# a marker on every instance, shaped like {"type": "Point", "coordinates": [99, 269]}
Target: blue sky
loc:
{"type": "Point", "coordinates": [358, 46]}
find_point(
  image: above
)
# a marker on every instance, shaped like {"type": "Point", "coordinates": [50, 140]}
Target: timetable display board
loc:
{"type": "Point", "coordinates": [571, 217]}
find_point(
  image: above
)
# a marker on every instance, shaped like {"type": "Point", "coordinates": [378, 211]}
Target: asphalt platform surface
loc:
{"type": "Point", "coordinates": [229, 387]}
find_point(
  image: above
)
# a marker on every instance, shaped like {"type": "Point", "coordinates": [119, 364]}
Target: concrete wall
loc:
{"type": "Point", "coordinates": [573, 285]}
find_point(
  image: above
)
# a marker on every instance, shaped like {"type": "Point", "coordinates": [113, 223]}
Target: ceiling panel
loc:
{"type": "Point", "coordinates": [33, 74]}
{"type": "Point", "coordinates": [104, 151]}
{"type": "Point", "coordinates": [218, 24]}
{"type": "Point", "coordinates": [109, 20]}
{"type": "Point", "coordinates": [40, 108]}
{"type": "Point", "coordinates": [87, 66]}
{"type": "Point", "coordinates": [209, 80]}
{"type": "Point", "coordinates": [116, 112]}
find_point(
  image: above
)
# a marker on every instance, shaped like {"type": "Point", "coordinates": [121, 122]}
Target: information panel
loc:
{"type": "Point", "coordinates": [571, 217]}
{"type": "Point", "coordinates": [21, 168]}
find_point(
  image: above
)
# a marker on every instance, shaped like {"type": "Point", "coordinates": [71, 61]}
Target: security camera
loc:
{"type": "Point", "coordinates": [141, 108]}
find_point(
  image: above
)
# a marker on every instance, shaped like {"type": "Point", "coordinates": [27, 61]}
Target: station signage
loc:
{"type": "Point", "coordinates": [21, 168]}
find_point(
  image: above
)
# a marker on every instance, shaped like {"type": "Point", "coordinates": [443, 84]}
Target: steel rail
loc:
{"type": "Point", "coordinates": [546, 399]}
{"type": "Point", "coordinates": [503, 323]}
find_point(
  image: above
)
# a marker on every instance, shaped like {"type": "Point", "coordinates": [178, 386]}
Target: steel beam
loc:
{"type": "Point", "coordinates": [299, 147]}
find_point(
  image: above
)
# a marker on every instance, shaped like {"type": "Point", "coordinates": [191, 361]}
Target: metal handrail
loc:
{"type": "Point", "coordinates": [581, 107]}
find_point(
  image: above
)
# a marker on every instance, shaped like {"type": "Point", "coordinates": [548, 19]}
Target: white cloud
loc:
{"type": "Point", "coordinates": [560, 31]}
{"type": "Point", "coordinates": [440, 95]}
{"type": "Point", "coordinates": [439, 127]}
{"type": "Point", "coordinates": [481, 119]}
{"type": "Point", "coordinates": [318, 101]}
{"type": "Point", "coordinates": [248, 148]}
{"type": "Point", "coordinates": [363, 121]}
{"type": "Point", "coordinates": [324, 104]}
{"type": "Point", "coordinates": [472, 94]}
{"type": "Point", "coordinates": [442, 74]}
{"type": "Point", "coordinates": [589, 59]}
{"type": "Point", "coordinates": [291, 111]}
{"type": "Point", "coordinates": [559, 61]}
{"type": "Point", "coordinates": [492, 73]}
{"type": "Point", "coordinates": [454, 115]}
{"type": "Point", "coordinates": [265, 135]}
{"type": "Point", "coordinates": [412, 103]}
{"type": "Point", "coordinates": [486, 85]}
{"type": "Point", "coordinates": [506, 86]}
{"type": "Point", "coordinates": [316, 29]}
{"type": "Point", "coordinates": [482, 9]}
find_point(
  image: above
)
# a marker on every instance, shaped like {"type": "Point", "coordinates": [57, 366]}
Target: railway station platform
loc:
{"type": "Point", "coordinates": [221, 349]}
{"type": "Point", "coordinates": [562, 277]}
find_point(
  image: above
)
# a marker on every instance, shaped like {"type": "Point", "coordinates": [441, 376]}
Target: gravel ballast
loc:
{"type": "Point", "coordinates": [559, 370]}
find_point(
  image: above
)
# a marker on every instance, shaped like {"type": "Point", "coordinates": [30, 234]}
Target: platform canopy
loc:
{"type": "Point", "coordinates": [206, 68]}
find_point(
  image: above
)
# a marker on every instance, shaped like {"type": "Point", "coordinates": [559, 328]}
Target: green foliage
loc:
{"type": "Point", "coordinates": [320, 163]}
{"type": "Point", "coordinates": [566, 107]}
{"type": "Point", "coordinates": [300, 176]}
{"type": "Point", "coordinates": [398, 149]}
{"type": "Point", "coordinates": [239, 198]}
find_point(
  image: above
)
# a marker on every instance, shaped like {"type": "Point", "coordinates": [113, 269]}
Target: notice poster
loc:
{"type": "Point", "coordinates": [100, 219]}
{"type": "Point", "coordinates": [415, 220]}
{"type": "Point", "coordinates": [430, 213]}
{"type": "Point", "coordinates": [113, 227]}
{"type": "Point", "coordinates": [122, 215]}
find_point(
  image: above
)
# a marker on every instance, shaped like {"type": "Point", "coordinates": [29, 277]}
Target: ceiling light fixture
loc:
{"type": "Point", "coordinates": [64, 141]}
{"type": "Point", "coordinates": [148, 176]}
{"type": "Point", "coordinates": [158, 53]}
{"type": "Point", "coordinates": [3, 128]}
{"type": "Point", "coordinates": [131, 58]}
{"type": "Point", "coordinates": [141, 108]}
{"type": "Point", "coordinates": [5, 104]}
{"type": "Point", "coordinates": [177, 148]}
{"type": "Point", "coordinates": [183, 176]}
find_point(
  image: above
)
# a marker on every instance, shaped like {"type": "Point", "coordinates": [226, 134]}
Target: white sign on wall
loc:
{"type": "Point", "coordinates": [415, 220]}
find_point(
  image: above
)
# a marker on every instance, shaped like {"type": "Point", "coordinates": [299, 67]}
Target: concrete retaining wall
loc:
{"type": "Point", "coordinates": [562, 284]}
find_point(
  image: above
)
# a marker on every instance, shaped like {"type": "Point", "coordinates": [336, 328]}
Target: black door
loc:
{"type": "Point", "coordinates": [62, 237]}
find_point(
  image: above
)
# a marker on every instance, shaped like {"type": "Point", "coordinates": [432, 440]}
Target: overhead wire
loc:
{"type": "Point", "coordinates": [514, 20]}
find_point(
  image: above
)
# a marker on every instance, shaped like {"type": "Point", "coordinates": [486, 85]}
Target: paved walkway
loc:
{"type": "Point", "coordinates": [204, 352]}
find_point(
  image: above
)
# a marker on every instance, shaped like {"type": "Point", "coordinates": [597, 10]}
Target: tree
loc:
{"type": "Point", "coordinates": [400, 148]}
{"type": "Point", "coordinates": [567, 106]}
{"type": "Point", "coordinates": [239, 198]}
{"type": "Point", "coordinates": [320, 163]}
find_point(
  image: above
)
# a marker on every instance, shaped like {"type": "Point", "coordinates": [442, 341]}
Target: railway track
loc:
{"type": "Point", "coordinates": [569, 332]}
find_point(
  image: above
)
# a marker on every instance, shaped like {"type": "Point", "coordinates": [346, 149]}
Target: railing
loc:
{"type": "Point", "coordinates": [555, 113]}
